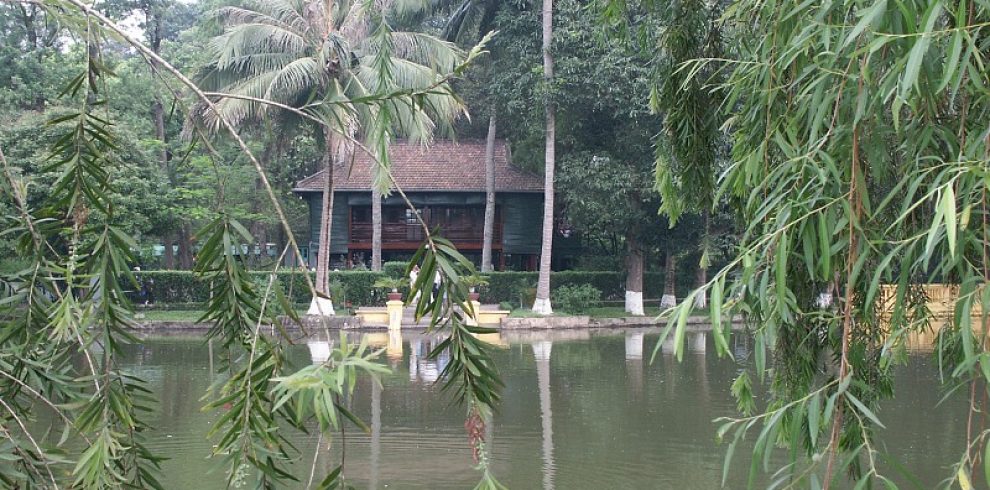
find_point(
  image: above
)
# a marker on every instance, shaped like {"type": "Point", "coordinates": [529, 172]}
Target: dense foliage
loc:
{"type": "Point", "coordinates": [859, 158]}
{"type": "Point", "coordinates": [183, 288]}
{"type": "Point", "coordinates": [848, 140]}
{"type": "Point", "coordinates": [70, 302]}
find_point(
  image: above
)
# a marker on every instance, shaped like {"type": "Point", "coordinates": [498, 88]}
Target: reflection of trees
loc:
{"type": "Point", "coordinates": [319, 350]}
{"type": "Point", "coordinates": [376, 433]}
{"type": "Point", "coordinates": [634, 361]}
{"type": "Point", "coordinates": [541, 350]}
{"type": "Point", "coordinates": [421, 368]}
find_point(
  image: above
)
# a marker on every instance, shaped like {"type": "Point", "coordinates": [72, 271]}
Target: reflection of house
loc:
{"type": "Point", "coordinates": [446, 183]}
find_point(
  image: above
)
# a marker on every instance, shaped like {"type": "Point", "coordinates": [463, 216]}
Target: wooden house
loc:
{"type": "Point", "coordinates": [446, 183]}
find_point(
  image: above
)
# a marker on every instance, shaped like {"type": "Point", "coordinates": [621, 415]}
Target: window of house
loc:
{"type": "Point", "coordinates": [361, 214]}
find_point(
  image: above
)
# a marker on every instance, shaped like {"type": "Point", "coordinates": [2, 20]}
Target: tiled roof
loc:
{"type": "Point", "coordinates": [443, 166]}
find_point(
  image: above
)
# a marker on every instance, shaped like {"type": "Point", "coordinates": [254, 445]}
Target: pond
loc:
{"type": "Point", "coordinates": [582, 409]}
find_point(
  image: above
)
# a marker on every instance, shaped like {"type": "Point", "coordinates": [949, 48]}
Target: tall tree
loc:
{"type": "Point", "coordinates": [468, 22]}
{"type": "Point", "coordinates": [489, 230]}
{"type": "Point", "coordinates": [376, 230]}
{"type": "Point", "coordinates": [293, 53]}
{"type": "Point", "coordinates": [162, 21]}
{"type": "Point", "coordinates": [688, 162]}
{"type": "Point", "coordinates": [859, 158]}
{"type": "Point", "coordinates": [542, 303]}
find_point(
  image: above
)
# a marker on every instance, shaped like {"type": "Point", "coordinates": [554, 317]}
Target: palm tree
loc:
{"type": "Point", "coordinates": [320, 55]}
{"type": "Point", "coordinates": [376, 230]}
{"type": "Point", "coordinates": [542, 303]}
{"type": "Point", "coordinates": [469, 20]}
{"type": "Point", "coordinates": [489, 231]}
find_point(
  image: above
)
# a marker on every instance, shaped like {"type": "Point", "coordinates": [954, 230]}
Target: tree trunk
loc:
{"type": "Point", "coordinates": [158, 120]}
{"type": "Point", "coordinates": [168, 256]}
{"type": "Point", "coordinates": [542, 303]}
{"type": "Point", "coordinates": [259, 229]}
{"type": "Point", "coordinates": [486, 249]}
{"type": "Point", "coordinates": [634, 273]}
{"type": "Point", "coordinates": [701, 278]}
{"type": "Point", "coordinates": [185, 247]}
{"type": "Point", "coordinates": [322, 304]}
{"type": "Point", "coordinates": [376, 231]}
{"type": "Point", "coordinates": [669, 298]}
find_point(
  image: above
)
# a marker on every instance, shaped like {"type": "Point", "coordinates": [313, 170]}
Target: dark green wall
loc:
{"type": "Point", "coordinates": [522, 228]}
{"type": "Point", "coordinates": [522, 215]}
{"type": "Point", "coordinates": [338, 231]}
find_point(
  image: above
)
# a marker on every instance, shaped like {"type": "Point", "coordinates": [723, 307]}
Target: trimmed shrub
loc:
{"type": "Point", "coordinates": [576, 298]}
{"type": "Point", "coordinates": [357, 287]}
{"type": "Point", "coordinates": [509, 286]}
{"type": "Point", "coordinates": [179, 287]}
{"type": "Point", "coordinates": [396, 269]}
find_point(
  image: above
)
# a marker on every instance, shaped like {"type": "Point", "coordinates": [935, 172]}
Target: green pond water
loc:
{"type": "Point", "coordinates": [581, 409]}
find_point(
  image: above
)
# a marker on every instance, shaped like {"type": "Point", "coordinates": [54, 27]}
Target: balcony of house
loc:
{"type": "Point", "coordinates": [462, 225]}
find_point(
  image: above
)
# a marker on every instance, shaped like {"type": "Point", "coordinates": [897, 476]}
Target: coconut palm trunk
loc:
{"type": "Point", "coordinates": [322, 304]}
{"type": "Point", "coordinates": [486, 249]}
{"type": "Point", "coordinates": [542, 303]}
{"type": "Point", "coordinates": [376, 230]}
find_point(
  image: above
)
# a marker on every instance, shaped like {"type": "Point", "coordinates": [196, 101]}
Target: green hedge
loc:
{"type": "Point", "coordinates": [508, 286]}
{"type": "Point", "coordinates": [395, 269]}
{"type": "Point", "coordinates": [179, 287]}
{"type": "Point", "coordinates": [183, 287]}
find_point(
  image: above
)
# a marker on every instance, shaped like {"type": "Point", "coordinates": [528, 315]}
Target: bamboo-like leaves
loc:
{"type": "Point", "coordinates": [859, 170]}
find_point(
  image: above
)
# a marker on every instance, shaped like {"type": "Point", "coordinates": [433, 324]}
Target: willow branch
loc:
{"type": "Point", "coordinates": [41, 453]}
{"type": "Point", "coordinates": [148, 53]}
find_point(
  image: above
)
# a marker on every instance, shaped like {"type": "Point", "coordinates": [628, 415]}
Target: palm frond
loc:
{"type": "Point", "coordinates": [301, 75]}
{"type": "Point", "coordinates": [254, 38]}
{"type": "Point", "coordinates": [233, 16]}
{"type": "Point", "coordinates": [424, 49]}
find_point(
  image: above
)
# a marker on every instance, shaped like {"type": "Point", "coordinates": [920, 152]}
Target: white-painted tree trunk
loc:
{"type": "Point", "coordinates": [320, 306]}
{"type": "Point", "coordinates": [634, 303]}
{"type": "Point", "coordinates": [668, 301]}
{"type": "Point", "coordinates": [541, 305]}
{"type": "Point", "coordinates": [700, 301]}
{"type": "Point", "coordinates": [634, 269]}
{"type": "Point", "coordinates": [669, 298]}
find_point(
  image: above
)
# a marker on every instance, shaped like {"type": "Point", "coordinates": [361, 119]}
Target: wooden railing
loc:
{"type": "Point", "coordinates": [941, 299]}
{"type": "Point", "coordinates": [402, 232]}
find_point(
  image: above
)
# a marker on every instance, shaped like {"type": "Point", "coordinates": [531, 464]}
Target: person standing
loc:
{"type": "Point", "coordinates": [413, 275]}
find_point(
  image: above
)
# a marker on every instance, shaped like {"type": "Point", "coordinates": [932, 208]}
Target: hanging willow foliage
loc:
{"type": "Point", "coordinates": [70, 305]}
{"type": "Point", "coordinates": [859, 159]}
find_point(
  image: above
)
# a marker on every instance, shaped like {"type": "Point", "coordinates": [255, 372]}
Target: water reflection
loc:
{"type": "Point", "coordinates": [421, 367]}
{"type": "Point", "coordinates": [634, 360]}
{"type": "Point", "coordinates": [541, 351]}
{"type": "Point", "coordinates": [376, 434]}
{"type": "Point", "coordinates": [394, 349]}
{"type": "Point", "coordinates": [604, 415]}
{"type": "Point", "coordinates": [319, 350]}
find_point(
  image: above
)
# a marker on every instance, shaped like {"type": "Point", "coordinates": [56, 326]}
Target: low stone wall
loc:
{"type": "Point", "coordinates": [508, 323]}
{"type": "Point", "coordinates": [546, 322]}
{"type": "Point", "coordinates": [647, 321]}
